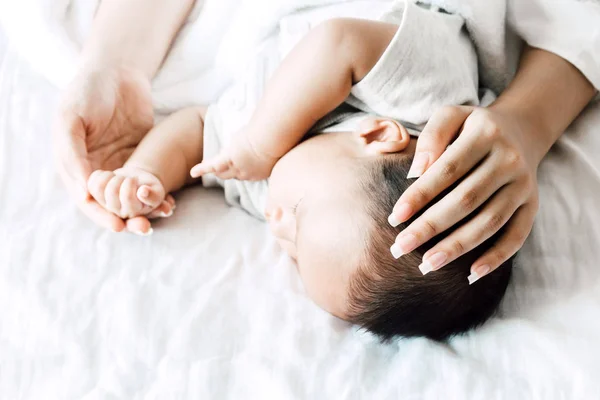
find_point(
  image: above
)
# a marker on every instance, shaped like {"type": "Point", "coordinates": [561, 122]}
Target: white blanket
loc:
{"type": "Point", "coordinates": [209, 308]}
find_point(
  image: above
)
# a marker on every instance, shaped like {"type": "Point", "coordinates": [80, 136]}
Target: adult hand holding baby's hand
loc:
{"type": "Point", "coordinates": [496, 158]}
{"type": "Point", "coordinates": [130, 192]}
{"type": "Point", "coordinates": [103, 115]}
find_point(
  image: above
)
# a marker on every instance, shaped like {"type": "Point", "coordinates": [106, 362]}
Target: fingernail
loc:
{"type": "Point", "coordinates": [174, 206]}
{"type": "Point", "coordinates": [425, 267]}
{"type": "Point", "coordinates": [433, 263]}
{"type": "Point", "coordinates": [144, 192]}
{"type": "Point", "coordinates": [418, 165]}
{"type": "Point", "coordinates": [148, 233]}
{"type": "Point", "coordinates": [396, 251]}
{"type": "Point", "coordinates": [399, 215]}
{"type": "Point", "coordinates": [478, 273]}
{"type": "Point", "coordinates": [166, 215]}
{"type": "Point", "coordinates": [393, 220]}
{"type": "Point", "coordinates": [404, 244]}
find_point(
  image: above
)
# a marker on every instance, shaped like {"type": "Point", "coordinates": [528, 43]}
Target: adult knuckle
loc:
{"type": "Point", "coordinates": [499, 256]}
{"type": "Point", "coordinates": [457, 247]}
{"type": "Point", "coordinates": [479, 116]}
{"type": "Point", "coordinates": [418, 196]}
{"type": "Point", "coordinates": [430, 228]}
{"type": "Point", "coordinates": [494, 222]}
{"type": "Point", "coordinates": [513, 159]}
{"type": "Point", "coordinates": [469, 200]}
{"type": "Point", "coordinates": [450, 169]}
{"type": "Point", "coordinates": [490, 130]}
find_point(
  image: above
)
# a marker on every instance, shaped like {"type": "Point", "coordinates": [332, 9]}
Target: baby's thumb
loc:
{"type": "Point", "coordinates": [150, 196]}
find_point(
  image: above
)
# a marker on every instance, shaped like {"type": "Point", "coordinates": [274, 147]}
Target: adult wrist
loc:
{"type": "Point", "coordinates": [92, 64]}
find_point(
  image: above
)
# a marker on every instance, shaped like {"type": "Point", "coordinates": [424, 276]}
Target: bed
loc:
{"type": "Point", "coordinates": [208, 307]}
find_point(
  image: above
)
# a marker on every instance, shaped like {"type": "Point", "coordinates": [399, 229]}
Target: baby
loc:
{"type": "Point", "coordinates": [332, 133]}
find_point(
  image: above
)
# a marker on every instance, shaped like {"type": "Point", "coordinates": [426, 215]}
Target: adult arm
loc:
{"type": "Point", "coordinates": [107, 109]}
{"type": "Point", "coordinates": [497, 151]}
{"type": "Point", "coordinates": [134, 34]}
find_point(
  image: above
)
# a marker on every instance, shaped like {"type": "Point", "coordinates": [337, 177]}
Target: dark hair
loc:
{"type": "Point", "coordinates": [391, 297]}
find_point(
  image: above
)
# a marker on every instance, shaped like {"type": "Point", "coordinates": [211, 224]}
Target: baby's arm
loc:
{"type": "Point", "coordinates": [159, 165]}
{"type": "Point", "coordinates": [312, 80]}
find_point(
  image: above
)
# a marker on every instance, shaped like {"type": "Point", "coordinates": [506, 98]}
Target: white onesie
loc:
{"type": "Point", "coordinates": [429, 63]}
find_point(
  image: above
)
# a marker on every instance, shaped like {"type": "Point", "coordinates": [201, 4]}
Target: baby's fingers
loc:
{"type": "Point", "coordinates": [150, 196]}
{"type": "Point", "coordinates": [130, 205]}
{"type": "Point", "coordinates": [111, 194]}
{"type": "Point", "coordinates": [217, 165]}
{"type": "Point", "coordinates": [97, 184]}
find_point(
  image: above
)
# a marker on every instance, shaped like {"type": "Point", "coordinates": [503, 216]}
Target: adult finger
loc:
{"type": "Point", "coordinates": [464, 199]}
{"type": "Point", "coordinates": [140, 226]}
{"type": "Point", "coordinates": [443, 126]}
{"type": "Point", "coordinates": [171, 200]}
{"type": "Point", "coordinates": [517, 230]}
{"type": "Point", "coordinates": [71, 152]}
{"type": "Point", "coordinates": [164, 210]}
{"type": "Point", "coordinates": [74, 169]}
{"type": "Point", "coordinates": [492, 217]}
{"type": "Point", "coordinates": [100, 216]}
{"type": "Point", "coordinates": [453, 164]}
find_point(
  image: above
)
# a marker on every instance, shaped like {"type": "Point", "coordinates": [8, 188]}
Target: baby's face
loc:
{"type": "Point", "coordinates": [315, 210]}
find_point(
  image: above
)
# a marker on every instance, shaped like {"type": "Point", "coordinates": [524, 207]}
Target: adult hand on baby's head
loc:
{"type": "Point", "coordinates": [497, 164]}
{"type": "Point", "coordinates": [103, 116]}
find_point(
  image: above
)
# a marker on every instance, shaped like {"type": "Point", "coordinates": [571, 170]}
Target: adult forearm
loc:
{"type": "Point", "coordinates": [547, 94]}
{"type": "Point", "coordinates": [134, 33]}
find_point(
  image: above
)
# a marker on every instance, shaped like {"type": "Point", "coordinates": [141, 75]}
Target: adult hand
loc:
{"type": "Point", "coordinates": [103, 116]}
{"type": "Point", "coordinates": [497, 159]}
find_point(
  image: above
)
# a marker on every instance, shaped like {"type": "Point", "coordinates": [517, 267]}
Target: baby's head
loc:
{"type": "Point", "coordinates": [328, 205]}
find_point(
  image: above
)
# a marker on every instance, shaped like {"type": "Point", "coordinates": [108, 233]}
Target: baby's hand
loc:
{"type": "Point", "coordinates": [128, 192]}
{"type": "Point", "coordinates": [240, 160]}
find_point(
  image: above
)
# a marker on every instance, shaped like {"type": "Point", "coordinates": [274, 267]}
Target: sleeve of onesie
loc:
{"type": "Point", "coordinates": [568, 28]}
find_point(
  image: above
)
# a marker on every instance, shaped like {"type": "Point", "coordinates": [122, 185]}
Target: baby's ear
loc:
{"type": "Point", "coordinates": [383, 135]}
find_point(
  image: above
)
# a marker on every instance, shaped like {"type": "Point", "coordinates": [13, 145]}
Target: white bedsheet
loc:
{"type": "Point", "coordinates": [209, 308]}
